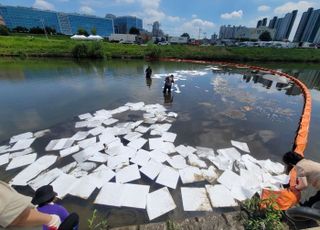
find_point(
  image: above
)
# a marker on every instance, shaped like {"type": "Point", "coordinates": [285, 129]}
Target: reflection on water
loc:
{"type": "Point", "coordinates": [149, 82]}
{"type": "Point", "coordinates": [311, 78]}
{"type": "Point", "coordinates": [213, 109]}
{"type": "Point", "coordinates": [168, 99]}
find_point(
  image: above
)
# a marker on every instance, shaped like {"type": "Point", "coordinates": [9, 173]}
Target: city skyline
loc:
{"type": "Point", "coordinates": [199, 20]}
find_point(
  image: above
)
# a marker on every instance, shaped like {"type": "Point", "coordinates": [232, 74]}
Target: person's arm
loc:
{"type": "Point", "coordinates": [31, 217]}
{"type": "Point", "coordinates": [302, 183]}
{"type": "Point", "coordinates": [64, 213]}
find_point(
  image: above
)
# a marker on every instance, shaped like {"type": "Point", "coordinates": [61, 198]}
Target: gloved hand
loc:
{"type": "Point", "coordinates": [54, 222]}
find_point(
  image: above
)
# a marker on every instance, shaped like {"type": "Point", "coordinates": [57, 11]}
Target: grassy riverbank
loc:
{"type": "Point", "coordinates": [61, 46]}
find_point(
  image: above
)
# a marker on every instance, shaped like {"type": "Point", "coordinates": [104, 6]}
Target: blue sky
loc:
{"type": "Point", "coordinates": [178, 16]}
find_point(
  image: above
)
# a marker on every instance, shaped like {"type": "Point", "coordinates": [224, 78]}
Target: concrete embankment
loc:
{"type": "Point", "coordinates": [231, 220]}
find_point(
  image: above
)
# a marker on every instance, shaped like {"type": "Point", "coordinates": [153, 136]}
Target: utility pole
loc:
{"type": "Point", "coordinates": [199, 33]}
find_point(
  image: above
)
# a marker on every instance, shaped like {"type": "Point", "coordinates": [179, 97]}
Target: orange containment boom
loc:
{"type": "Point", "coordinates": [285, 198]}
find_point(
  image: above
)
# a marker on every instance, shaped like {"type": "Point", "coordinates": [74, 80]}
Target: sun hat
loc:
{"type": "Point", "coordinates": [43, 195]}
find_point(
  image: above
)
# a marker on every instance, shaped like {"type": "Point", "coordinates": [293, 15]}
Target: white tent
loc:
{"type": "Point", "coordinates": [95, 37]}
{"type": "Point", "coordinates": [79, 37]}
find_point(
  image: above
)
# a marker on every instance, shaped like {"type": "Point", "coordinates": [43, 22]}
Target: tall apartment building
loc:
{"type": "Point", "coordinates": [302, 25]}
{"type": "Point", "coordinates": [272, 22]}
{"type": "Point", "coordinates": [156, 31]}
{"type": "Point", "coordinates": [259, 23]}
{"type": "Point", "coordinates": [264, 22]}
{"type": "Point", "coordinates": [242, 32]}
{"type": "Point", "coordinates": [311, 32]}
{"type": "Point", "coordinates": [284, 25]}
{"type": "Point", "coordinates": [227, 32]}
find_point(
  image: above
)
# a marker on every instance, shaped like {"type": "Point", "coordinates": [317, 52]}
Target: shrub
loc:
{"type": "Point", "coordinates": [21, 54]}
{"type": "Point", "coordinates": [96, 221]}
{"type": "Point", "coordinates": [96, 50]}
{"type": "Point", "coordinates": [80, 51]}
{"type": "Point", "coordinates": [258, 218]}
{"type": "Point", "coordinates": [88, 50]}
{"type": "Point", "coordinates": [4, 30]}
{"type": "Point", "coordinates": [153, 52]}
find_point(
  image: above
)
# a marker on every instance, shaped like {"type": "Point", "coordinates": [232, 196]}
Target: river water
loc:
{"type": "Point", "coordinates": [213, 109]}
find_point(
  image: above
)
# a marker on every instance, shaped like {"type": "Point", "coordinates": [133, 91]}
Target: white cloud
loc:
{"type": "Point", "coordinates": [232, 15]}
{"type": "Point", "coordinates": [171, 24]}
{"type": "Point", "coordinates": [194, 16]}
{"type": "Point", "coordinates": [173, 18]}
{"type": "Point", "coordinates": [264, 8]}
{"type": "Point", "coordinates": [152, 15]}
{"type": "Point", "coordinates": [149, 4]}
{"type": "Point", "coordinates": [42, 4]}
{"type": "Point", "coordinates": [192, 27]}
{"type": "Point", "coordinates": [151, 12]}
{"type": "Point", "coordinates": [125, 1]}
{"type": "Point", "coordinates": [290, 6]}
{"type": "Point", "coordinates": [86, 10]}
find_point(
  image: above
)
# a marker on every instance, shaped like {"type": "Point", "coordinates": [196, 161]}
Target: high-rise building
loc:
{"type": "Point", "coordinates": [312, 27]}
{"type": "Point", "coordinates": [156, 31]}
{"type": "Point", "coordinates": [242, 32]}
{"type": "Point", "coordinates": [227, 32]}
{"type": "Point", "coordinates": [302, 25]}
{"type": "Point", "coordinates": [264, 22]}
{"type": "Point", "coordinates": [122, 25]}
{"type": "Point", "coordinates": [259, 23]}
{"type": "Point", "coordinates": [64, 23]}
{"type": "Point", "coordinates": [272, 22]}
{"type": "Point", "coordinates": [284, 25]}
{"type": "Point", "coordinates": [317, 37]}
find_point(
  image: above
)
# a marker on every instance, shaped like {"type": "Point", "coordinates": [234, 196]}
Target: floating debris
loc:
{"type": "Point", "coordinates": [159, 203]}
{"type": "Point", "coordinates": [22, 161]}
{"type": "Point", "coordinates": [168, 177]}
{"type": "Point", "coordinates": [195, 199]}
{"type": "Point", "coordinates": [220, 196]}
{"type": "Point", "coordinates": [108, 148]}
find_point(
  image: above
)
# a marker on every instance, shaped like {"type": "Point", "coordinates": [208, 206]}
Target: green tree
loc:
{"type": "Point", "coordinates": [20, 29]}
{"type": "Point", "coordinates": [82, 31]}
{"type": "Point", "coordinates": [50, 30]}
{"type": "Point", "coordinates": [94, 31]}
{"type": "Point", "coordinates": [134, 30]}
{"type": "Point", "coordinates": [36, 30]}
{"type": "Point", "coordinates": [4, 30]}
{"type": "Point", "coordinates": [265, 36]}
{"type": "Point", "coordinates": [185, 35]}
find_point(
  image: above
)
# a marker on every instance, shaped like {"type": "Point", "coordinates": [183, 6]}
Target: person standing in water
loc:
{"type": "Point", "coordinates": [148, 72]}
{"type": "Point", "coordinates": [168, 83]}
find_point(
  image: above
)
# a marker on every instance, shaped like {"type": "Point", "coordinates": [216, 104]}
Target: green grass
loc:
{"type": "Point", "coordinates": [24, 45]}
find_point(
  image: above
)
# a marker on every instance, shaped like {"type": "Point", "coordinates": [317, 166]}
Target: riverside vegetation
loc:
{"type": "Point", "coordinates": [63, 46]}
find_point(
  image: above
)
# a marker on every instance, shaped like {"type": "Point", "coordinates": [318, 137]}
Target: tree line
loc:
{"type": "Point", "coordinates": [20, 29]}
